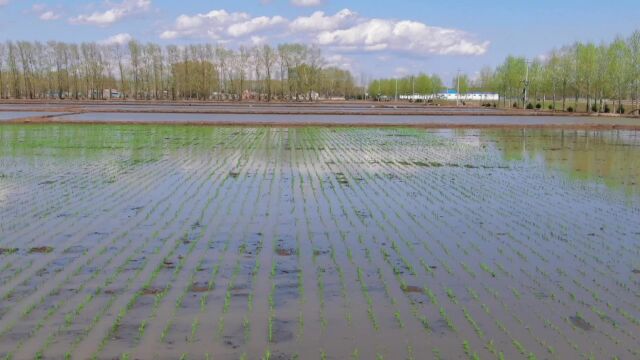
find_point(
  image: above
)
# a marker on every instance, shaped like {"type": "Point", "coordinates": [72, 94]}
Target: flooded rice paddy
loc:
{"type": "Point", "coordinates": [140, 242]}
{"type": "Point", "coordinates": [347, 120]}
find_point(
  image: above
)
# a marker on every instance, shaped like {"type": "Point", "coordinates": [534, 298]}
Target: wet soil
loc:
{"type": "Point", "coordinates": [41, 250]}
{"type": "Point", "coordinates": [413, 289]}
{"type": "Point", "coordinates": [199, 287]}
{"type": "Point", "coordinates": [152, 290]}
{"type": "Point", "coordinates": [581, 323]}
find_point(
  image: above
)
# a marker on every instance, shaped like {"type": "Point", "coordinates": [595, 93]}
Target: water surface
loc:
{"type": "Point", "coordinates": [171, 241]}
{"type": "Point", "coordinates": [15, 115]}
{"type": "Point", "coordinates": [317, 119]}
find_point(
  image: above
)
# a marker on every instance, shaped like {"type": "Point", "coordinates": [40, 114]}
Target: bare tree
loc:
{"type": "Point", "coordinates": [173, 56]}
{"type": "Point", "coordinates": [223, 56]}
{"type": "Point", "coordinates": [134, 54]}
{"type": "Point", "coordinates": [268, 61]}
{"type": "Point", "coordinates": [149, 71]}
{"type": "Point", "coordinates": [634, 52]}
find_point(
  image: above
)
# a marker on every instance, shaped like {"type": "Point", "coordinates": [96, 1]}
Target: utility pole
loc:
{"type": "Point", "coordinates": [458, 90]}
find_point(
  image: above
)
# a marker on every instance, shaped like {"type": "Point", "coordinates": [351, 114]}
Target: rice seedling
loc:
{"type": "Point", "coordinates": [366, 236]}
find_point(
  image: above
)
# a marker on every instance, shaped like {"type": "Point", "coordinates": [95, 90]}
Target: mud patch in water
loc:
{"type": "Point", "coordinates": [113, 291]}
{"type": "Point", "coordinates": [8, 251]}
{"type": "Point", "coordinates": [412, 289]}
{"type": "Point", "coordinates": [198, 287]}
{"type": "Point", "coordinates": [579, 322]}
{"type": "Point", "coordinates": [285, 252]}
{"type": "Point", "coordinates": [41, 250]}
{"type": "Point", "coordinates": [281, 331]}
{"type": "Point", "coordinates": [152, 290]}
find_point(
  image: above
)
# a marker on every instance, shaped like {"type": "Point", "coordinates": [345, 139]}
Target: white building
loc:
{"type": "Point", "coordinates": [452, 95]}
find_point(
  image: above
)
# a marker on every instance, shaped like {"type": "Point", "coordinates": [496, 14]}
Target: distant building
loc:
{"type": "Point", "coordinates": [452, 95]}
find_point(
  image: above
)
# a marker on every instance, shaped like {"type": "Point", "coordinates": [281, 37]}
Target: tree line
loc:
{"type": "Point", "coordinates": [584, 76]}
{"type": "Point", "coordinates": [581, 77]}
{"type": "Point", "coordinates": [58, 70]}
{"type": "Point", "coordinates": [421, 84]}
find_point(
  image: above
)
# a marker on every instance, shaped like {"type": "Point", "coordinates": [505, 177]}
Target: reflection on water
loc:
{"type": "Point", "coordinates": [610, 157]}
{"type": "Point", "coordinates": [64, 142]}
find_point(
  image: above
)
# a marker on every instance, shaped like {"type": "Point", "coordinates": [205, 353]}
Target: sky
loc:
{"type": "Point", "coordinates": [369, 38]}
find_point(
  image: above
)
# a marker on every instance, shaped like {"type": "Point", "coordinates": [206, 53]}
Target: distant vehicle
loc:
{"type": "Point", "coordinates": [110, 94]}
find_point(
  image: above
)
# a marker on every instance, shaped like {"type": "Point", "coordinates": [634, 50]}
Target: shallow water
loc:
{"type": "Point", "coordinates": [172, 240]}
{"type": "Point", "coordinates": [14, 115]}
{"type": "Point", "coordinates": [288, 119]}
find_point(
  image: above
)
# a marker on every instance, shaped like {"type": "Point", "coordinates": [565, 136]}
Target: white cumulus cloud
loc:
{"type": "Point", "coordinates": [410, 36]}
{"type": "Point", "coordinates": [49, 15]}
{"type": "Point", "coordinates": [319, 21]}
{"type": "Point", "coordinates": [118, 39]}
{"type": "Point", "coordinates": [307, 3]}
{"type": "Point", "coordinates": [44, 12]}
{"type": "Point", "coordinates": [254, 25]}
{"type": "Point", "coordinates": [115, 13]}
{"type": "Point", "coordinates": [218, 24]}
{"type": "Point", "coordinates": [340, 32]}
{"type": "Point", "coordinates": [212, 25]}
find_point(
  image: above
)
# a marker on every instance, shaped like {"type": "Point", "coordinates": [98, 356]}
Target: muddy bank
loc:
{"type": "Point", "coordinates": [274, 108]}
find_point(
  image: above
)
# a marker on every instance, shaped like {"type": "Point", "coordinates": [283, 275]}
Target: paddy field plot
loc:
{"type": "Point", "coordinates": [169, 242]}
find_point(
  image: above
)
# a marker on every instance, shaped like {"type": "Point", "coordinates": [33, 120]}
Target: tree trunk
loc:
{"type": "Point", "coordinates": [636, 96]}
{"type": "Point", "coordinates": [564, 95]}
{"type": "Point", "coordinates": [588, 98]}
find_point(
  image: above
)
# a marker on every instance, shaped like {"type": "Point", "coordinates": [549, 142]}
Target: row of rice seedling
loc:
{"type": "Point", "coordinates": [180, 243]}
{"type": "Point", "coordinates": [167, 224]}
{"type": "Point", "coordinates": [400, 265]}
{"type": "Point", "coordinates": [76, 256]}
{"type": "Point", "coordinates": [338, 186]}
{"type": "Point", "coordinates": [310, 242]}
{"type": "Point", "coordinates": [168, 276]}
{"type": "Point", "coordinates": [69, 246]}
{"type": "Point", "coordinates": [174, 284]}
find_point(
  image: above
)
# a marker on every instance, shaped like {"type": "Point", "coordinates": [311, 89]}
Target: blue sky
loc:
{"type": "Point", "coordinates": [371, 38]}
